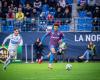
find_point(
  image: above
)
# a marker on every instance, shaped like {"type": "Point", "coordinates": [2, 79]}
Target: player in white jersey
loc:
{"type": "Point", "coordinates": [15, 41]}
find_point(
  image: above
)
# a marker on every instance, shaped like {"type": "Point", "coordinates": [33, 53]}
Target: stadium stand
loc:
{"type": "Point", "coordinates": [36, 15]}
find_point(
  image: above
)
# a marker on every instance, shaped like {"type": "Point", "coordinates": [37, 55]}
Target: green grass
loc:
{"type": "Point", "coordinates": [22, 71]}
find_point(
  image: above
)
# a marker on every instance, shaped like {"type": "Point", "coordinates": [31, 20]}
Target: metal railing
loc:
{"type": "Point", "coordinates": [72, 24]}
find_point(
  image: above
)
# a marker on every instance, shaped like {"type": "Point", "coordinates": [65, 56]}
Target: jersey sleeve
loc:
{"type": "Point", "coordinates": [61, 36]}
{"type": "Point", "coordinates": [7, 38]}
{"type": "Point", "coordinates": [20, 41]}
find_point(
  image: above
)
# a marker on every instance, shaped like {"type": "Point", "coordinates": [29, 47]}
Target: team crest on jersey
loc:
{"type": "Point", "coordinates": [3, 54]}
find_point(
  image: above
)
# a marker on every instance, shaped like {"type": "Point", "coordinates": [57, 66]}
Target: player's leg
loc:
{"type": "Point", "coordinates": [81, 57]}
{"type": "Point", "coordinates": [53, 51]}
{"type": "Point", "coordinates": [43, 57]}
{"type": "Point", "coordinates": [85, 54]}
{"type": "Point", "coordinates": [12, 54]}
{"type": "Point", "coordinates": [47, 56]}
{"type": "Point", "coordinates": [7, 62]}
{"type": "Point", "coordinates": [51, 60]}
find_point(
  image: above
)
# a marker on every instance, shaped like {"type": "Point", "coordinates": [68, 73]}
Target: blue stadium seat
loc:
{"type": "Point", "coordinates": [2, 28]}
{"type": "Point", "coordinates": [64, 27]}
{"type": "Point", "coordinates": [45, 8]}
{"type": "Point", "coordinates": [82, 13]}
{"type": "Point", "coordinates": [7, 28]}
{"type": "Point", "coordinates": [10, 28]}
{"type": "Point", "coordinates": [69, 1]}
{"type": "Point", "coordinates": [84, 24]}
{"type": "Point", "coordinates": [88, 27]}
{"type": "Point", "coordinates": [85, 27]}
{"type": "Point", "coordinates": [80, 27]}
{"type": "Point", "coordinates": [81, 21]}
{"type": "Point", "coordinates": [89, 20]}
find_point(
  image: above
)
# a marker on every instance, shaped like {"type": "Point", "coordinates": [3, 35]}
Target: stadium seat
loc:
{"type": "Point", "coordinates": [69, 1]}
{"type": "Point", "coordinates": [7, 28]}
{"type": "Point", "coordinates": [80, 27]}
{"type": "Point", "coordinates": [88, 20]}
{"type": "Point", "coordinates": [88, 27]}
{"type": "Point", "coordinates": [64, 27]}
{"type": "Point", "coordinates": [45, 8]}
{"type": "Point", "coordinates": [81, 21]}
{"type": "Point", "coordinates": [82, 13]}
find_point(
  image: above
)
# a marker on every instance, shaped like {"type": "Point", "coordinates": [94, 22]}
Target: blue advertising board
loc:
{"type": "Point", "coordinates": [76, 41]}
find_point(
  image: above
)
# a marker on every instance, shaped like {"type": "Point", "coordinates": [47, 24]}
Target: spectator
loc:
{"type": "Point", "coordinates": [10, 17]}
{"type": "Point", "coordinates": [0, 9]}
{"type": "Point", "coordinates": [0, 4]}
{"type": "Point", "coordinates": [20, 6]}
{"type": "Point", "coordinates": [16, 8]}
{"type": "Point", "coordinates": [19, 19]}
{"type": "Point", "coordinates": [10, 14]}
{"type": "Point", "coordinates": [34, 13]}
{"type": "Point", "coordinates": [59, 13]}
{"type": "Point", "coordinates": [20, 15]}
{"type": "Point", "coordinates": [9, 2]}
{"type": "Point", "coordinates": [43, 21]}
{"type": "Point", "coordinates": [38, 48]}
{"type": "Point", "coordinates": [4, 10]}
{"type": "Point", "coordinates": [28, 11]}
{"type": "Point", "coordinates": [45, 6]}
{"type": "Point", "coordinates": [37, 4]}
{"type": "Point", "coordinates": [91, 4]}
{"type": "Point", "coordinates": [80, 2]}
{"type": "Point", "coordinates": [91, 51]}
{"type": "Point", "coordinates": [82, 6]}
{"type": "Point", "coordinates": [67, 16]}
{"type": "Point", "coordinates": [62, 3]}
{"type": "Point", "coordinates": [34, 16]}
{"type": "Point", "coordinates": [30, 2]}
{"type": "Point", "coordinates": [45, 2]}
{"type": "Point", "coordinates": [16, 2]}
{"type": "Point", "coordinates": [1, 14]}
{"type": "Point", "coordinates": [96, 24]}
{"type": "Point", "coordinates": [52, 3]}
{"type": "Point", "coordinates": [23, 2]}
{"type": "Point", "coordinates": [12, 6]}
{"type": "Point", "coordinates": [96, 12]}
{"type": "Point", "coordinates": [50, 19]}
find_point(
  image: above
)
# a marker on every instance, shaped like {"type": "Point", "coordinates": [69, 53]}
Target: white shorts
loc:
{"type": "Point", "coordinates": [12, 53]}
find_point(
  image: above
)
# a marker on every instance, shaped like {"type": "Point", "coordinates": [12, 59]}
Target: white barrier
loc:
{"type": "Point", "coordinates": [32, 54]}
{"type": "Point", "coordinates": [26, 53]}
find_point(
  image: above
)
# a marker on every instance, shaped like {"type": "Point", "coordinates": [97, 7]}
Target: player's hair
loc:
{"type": "Point", "coordinates": [39, 39]}
{"type": "Point", "coordinates": [56, 24]}
{"type": "Point", "coordinates": [16, 29]}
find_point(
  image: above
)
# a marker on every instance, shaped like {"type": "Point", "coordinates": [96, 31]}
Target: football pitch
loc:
{"type": "Point", "coordinates": [22, 71]}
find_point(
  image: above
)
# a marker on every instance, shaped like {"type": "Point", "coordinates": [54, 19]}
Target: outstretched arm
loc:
{"type": "Point", "coordinates": [5, 40]}
{"type": "Point", "coordinates": [45, 36]}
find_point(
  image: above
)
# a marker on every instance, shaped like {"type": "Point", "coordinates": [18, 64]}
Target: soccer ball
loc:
{"type": "Point", "coordinates": [68, 67]}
